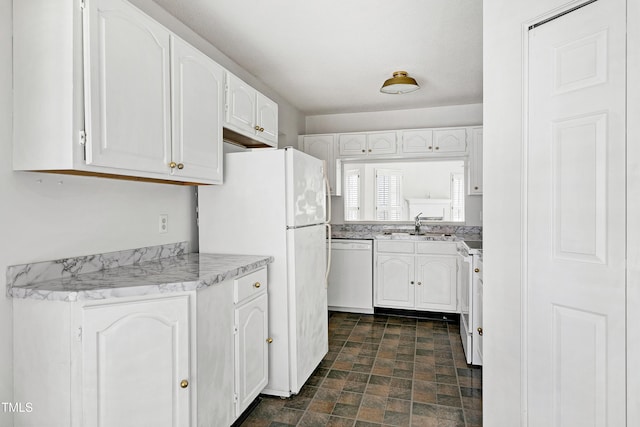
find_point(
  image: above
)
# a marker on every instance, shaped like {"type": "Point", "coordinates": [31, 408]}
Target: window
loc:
{"type": "Point", "coordinates": [388, 193]}
{"type": "Point", "coordinates": [457, 197]}
{"type": "Point", "coordinates": [352, 199]}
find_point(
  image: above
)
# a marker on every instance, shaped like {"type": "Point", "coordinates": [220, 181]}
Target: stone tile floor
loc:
{"type": "Point", "coordinates": [383, 371]}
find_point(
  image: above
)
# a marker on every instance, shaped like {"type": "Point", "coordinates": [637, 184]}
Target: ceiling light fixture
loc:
{"type": "Point", "coordinates": [400, 83]}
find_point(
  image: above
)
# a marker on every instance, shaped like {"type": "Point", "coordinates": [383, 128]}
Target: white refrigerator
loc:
{"type": "Point", "coordinates": [272, 202]}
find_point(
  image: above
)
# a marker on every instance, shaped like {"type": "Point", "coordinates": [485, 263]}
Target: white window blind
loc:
{"type": "Point", "coordinates": [352, 200]}
{"type": "Point", "coordinates": [388, 195]}
{"type": "Point", "coordinates": [457, 197]}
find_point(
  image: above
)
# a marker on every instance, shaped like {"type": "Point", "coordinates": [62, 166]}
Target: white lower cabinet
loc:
{"type": "Point", "coordinates": [420, 276]}
{"type": "Point", "coordinates": [193, 358]}
{"type": "Point", "coordinates": [251, 339]}
{"type": "Point", "coordinates": [136, 363]}
{"type": "Point", "coordinates": [478, 289]}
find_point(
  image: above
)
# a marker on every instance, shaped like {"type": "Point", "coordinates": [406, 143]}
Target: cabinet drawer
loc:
{"type": "Point", "coordinates": [396, 247]}
{"type": "Point", "coordinates": [250, 285]}
{"type": "Point", "coordinates": [438, 248]}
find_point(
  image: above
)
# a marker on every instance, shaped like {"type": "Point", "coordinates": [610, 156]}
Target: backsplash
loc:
{"type": "Point", "coordinates": [468, 232]}
{"type": "Point", "coordinates": [20, 275]}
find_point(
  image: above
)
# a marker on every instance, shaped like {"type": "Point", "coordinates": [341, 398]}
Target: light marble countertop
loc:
{"type": "Point", "coordinates": [182, 272]}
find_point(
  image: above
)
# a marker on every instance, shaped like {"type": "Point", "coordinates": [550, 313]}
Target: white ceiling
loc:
{"type": "Point", "coordinates": [332, 56]}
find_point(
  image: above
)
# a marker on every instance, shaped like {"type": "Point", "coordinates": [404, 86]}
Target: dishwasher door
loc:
{"type": "Point", "coordinates": [350, 285]}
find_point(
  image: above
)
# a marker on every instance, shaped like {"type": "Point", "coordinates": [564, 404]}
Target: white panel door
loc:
{"type": "Point", "coordinates": [267, 119]}
{"type": "Point", "coordinates": [436, 282]}
{"type": "Point", "coordinates": [382, 143]}
{"type": "Point", "coordinates": [450, 141]}
{"type": "Point", "coordinates": [240, 105]}
{"type": "Point", "coordinates": [128, 91]}
{"type": "Point", "coordinates": [352, 144]}
{"type": "Point", "coordinates": [251, 351]}
{"type": "Point", "coordinates": [134, 357]}
{"type": "Point", "coordinates": [306, 190]}
{"type": "Point", "coordinates": [197, 99]}
{"type": "Point", "coordinates": [395, 284]}
{"type": "Point", "coordinates": [417, 141]}
{"type": "Point", "coordinates": [575, 334]}
{"type": "Point", "coordinates": [308, 313]}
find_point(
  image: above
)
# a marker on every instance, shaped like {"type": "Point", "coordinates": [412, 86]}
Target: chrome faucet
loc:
{"type": "Point", "coordinates": [417, 223]}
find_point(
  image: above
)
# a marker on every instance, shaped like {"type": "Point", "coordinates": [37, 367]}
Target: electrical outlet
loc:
{"type": "Point", "coordinates": [163, 223]}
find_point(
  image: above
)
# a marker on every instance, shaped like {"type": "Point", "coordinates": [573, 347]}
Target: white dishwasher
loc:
{"type": "Point", "coordinates": [350, 285]}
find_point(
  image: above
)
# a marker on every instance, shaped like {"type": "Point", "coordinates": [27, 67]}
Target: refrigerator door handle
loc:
{"type": "Point", "coordinates": [326, 277]}
{"type": "Point", "coordinates": [327, 213]}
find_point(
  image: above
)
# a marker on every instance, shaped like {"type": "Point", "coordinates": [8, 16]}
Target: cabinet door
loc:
{"type": "Point", "coordinates": [240, 105]}
{"type": "Point", "coordinates": [417, 141]}
{"type": "Point", "coordinates": [251, 352]}
{"type": "Point", "coordinates": [475, 162]}
{"type": "Point", "coordinates": [127, 98]}
{"type": "Point", "coordinates": [477, 319]}
{"type": "Point", "coordinates": [352, 144]}
{"type": "Point", "coordinates": [134, 357]}
{"type": "Point", "coordinates": [395, 281]}
{"type": "Point", "coordinates": [267, 119]}
{"type": "Point", "coordinates": [436, 283]}
{"type": "Point", "coordinates": [450, 141]}
{"type": "Point", "coordinates": [197, 97]}
{"type": "Point", "coordinates": [322, 147]}
{"type": "Point", "coordinates": [382, 143]}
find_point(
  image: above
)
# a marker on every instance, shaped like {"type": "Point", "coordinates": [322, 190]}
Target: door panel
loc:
{"type": "Point", "coordinates": [267, 118]}
{"type": "Point", "coordinates": [241, 101]}
{"type": "Point", "coordinates": [252, 362]}
{"type": "Point", "coordinates": [129, 89]}
{"type": "Point", "coordinates": [576, 219]}
{"type": "Point", "coordinates": [395, 281]}
{"type": "Point", "coordinates": [436, 282]}
{"type": "Point", "coordinates": [197, 89]}
{"type": "Point", "coordinates": [134, 356]}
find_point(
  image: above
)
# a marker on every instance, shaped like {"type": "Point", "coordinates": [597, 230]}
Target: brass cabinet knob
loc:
{"type": "Point", "coordinates": [429, 148]}
{"type": "Point", "coordinates": [184, 383]}
{"type": "Point", "coordinates": [419, 283]}
{"type": "Point", "coordinates": [475, 188]}
{"type": "Point", "coordinates": [257, 285]}
{"type": "Point", "coordinates": [363, 150]}
{"type": "Point", "coordinates": [180, 166]}
{"type": "Point", "coordinates": [437, 148]}
{"type": "Point", "coordinates": [411, 282]}
{"type": "Point", "coordinates": [477, 270]}
{"type": "Point", "coordinates": [256, 127]}
{"type": "Point", "coordinates": [369, 149]}
{"type": "Point", "coordinates": [269, 340]}
{"type": "Point", "coordinates": [173, 165]}
{"type": "Point", "coordinates": [480, 331]}
{"type": "Point", "coordinates": [261, 129]}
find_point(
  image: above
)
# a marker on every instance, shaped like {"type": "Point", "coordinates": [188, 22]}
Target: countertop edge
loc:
{"type": "Point", "coordinates": [207, 280]}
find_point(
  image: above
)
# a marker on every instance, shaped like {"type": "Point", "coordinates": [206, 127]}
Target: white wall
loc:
{"type": "Point", "coordinates": [453, 115]}
{"type": "Point", "coordinates": [46, 216]}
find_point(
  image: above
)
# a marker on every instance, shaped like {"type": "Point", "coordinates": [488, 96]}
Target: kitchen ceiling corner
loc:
{"type": "Point", "coordinates": [330, 56]}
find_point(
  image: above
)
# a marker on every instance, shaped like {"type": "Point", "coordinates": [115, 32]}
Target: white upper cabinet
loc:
{"type": "Point", "coordinates": [197, 88]}
{"type": "Point", "coordinates": [450, 140]}
{"type": "Point", "coordinates": [121, 95]}
{"type": "Point", "coordinates": [352, 144]}
{"type": "Point", "coordinates": [434, 141]}
{"type": "Point", "coordinates": [250, 113]}
{"type": "Point", "coordinates": [366, 144]}
{"type": "Point", "coordinates": [127, 98]}
{"type": "Point", "coordinates": [475, 162]}
{"type": "Point", "coordinates": [417, 141]}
